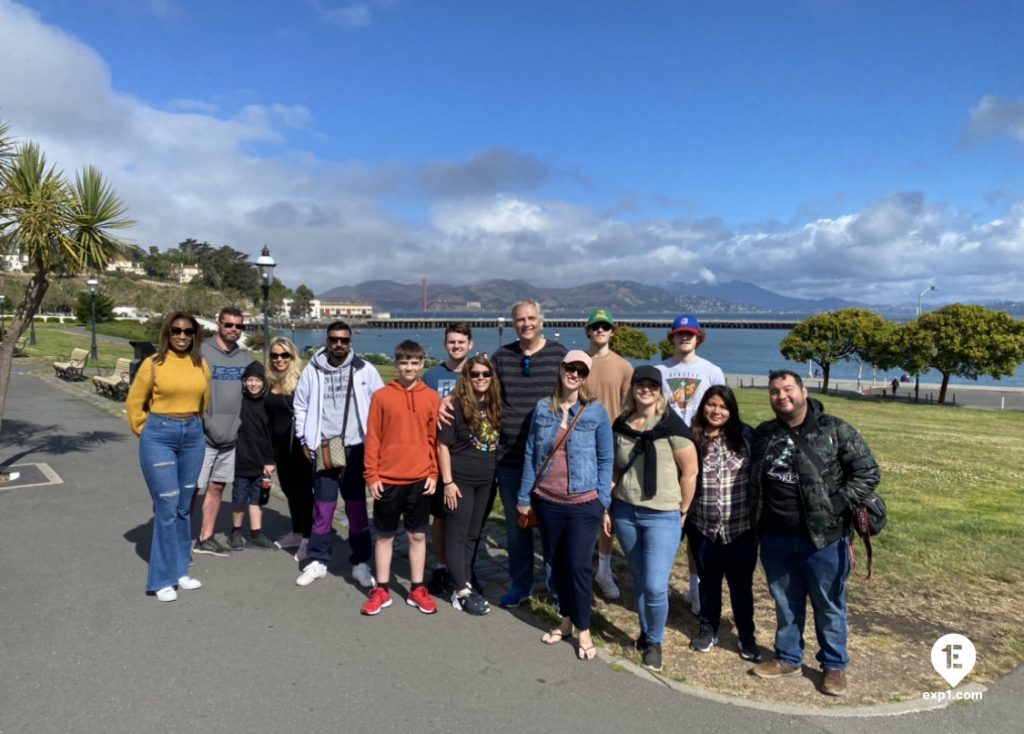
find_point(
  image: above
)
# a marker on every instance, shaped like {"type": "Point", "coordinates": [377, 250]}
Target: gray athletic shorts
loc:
{"type": "Point", "coordinates": [218, 466]}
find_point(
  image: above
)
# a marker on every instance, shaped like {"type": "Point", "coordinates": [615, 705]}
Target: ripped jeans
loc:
{"type": "Point", "coordinates": [171, 455]}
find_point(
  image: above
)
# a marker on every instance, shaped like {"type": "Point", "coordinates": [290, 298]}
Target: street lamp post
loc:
{"type": "Point", "coordinates": [501, 328]}
{"type": "Point", "coordinates": [920, 310]}
{"type": "Point", "coordinates": [3, 302]}
{"type": "Point", "coordinates": [266, 265]}
{"type": "Point", "coordinates": [93, 290]}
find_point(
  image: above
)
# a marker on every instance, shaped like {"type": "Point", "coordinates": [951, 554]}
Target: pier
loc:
{"type": "Point", "coordinates": [552, 322]}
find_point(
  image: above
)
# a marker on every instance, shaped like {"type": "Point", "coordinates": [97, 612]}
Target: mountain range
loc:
{"type": "Point", "coordinates": [621, 296]}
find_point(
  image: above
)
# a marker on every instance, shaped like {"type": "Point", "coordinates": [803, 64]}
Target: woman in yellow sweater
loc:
{"type": "Point", "coordinates": [165, 406]}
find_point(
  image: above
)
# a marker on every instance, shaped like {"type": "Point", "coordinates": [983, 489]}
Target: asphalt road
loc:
{"type": "Point", "coordinates": [84, 649]}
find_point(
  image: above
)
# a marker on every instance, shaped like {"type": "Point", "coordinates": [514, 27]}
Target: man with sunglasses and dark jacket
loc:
{"type": "Point", "coordinates": [808, 470]}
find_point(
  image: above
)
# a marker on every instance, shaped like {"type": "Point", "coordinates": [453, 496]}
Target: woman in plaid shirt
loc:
{"type": "Point", "coordinates": [719, 527]}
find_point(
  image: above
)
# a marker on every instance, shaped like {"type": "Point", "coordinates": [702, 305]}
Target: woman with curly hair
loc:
{"type": "Point", "coordinates": [466, 455]}
{"type": "Point", "coordinates": [165, 407]}
{"type": "Point", "coordinates": [294, 471]}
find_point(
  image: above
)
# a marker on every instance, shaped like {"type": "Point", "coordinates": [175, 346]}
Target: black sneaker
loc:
{"type": "Point", "coordinates": [235, 541]}
{"type": "Point", "coordinates": [704, 641]}
{"type": "Point", "coordinates": [441, 583]}
{"type": "Point", "coordinates": [261, 541]}
{"type": "Point", "coordinates": [652, 657]}
{"type": "Point", "coordinates": [210, 547]}
{"type": "Point", "coordinates": [749, 650]}
{"type": "Point", "coordinates": [640, 643]}
{"type": "Point", "coordinates": [471, 603]}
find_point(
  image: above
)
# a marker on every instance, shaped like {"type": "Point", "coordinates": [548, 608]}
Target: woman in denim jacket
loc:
{"type": "Point", "coordinates": [570, 482]}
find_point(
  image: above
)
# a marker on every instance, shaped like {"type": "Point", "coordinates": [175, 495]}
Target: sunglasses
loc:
{"type": "Point", "coordinates": [339, 340]}
{"type": "Point", "coordinates": [601, 327]}
{"type": "Point", "coordinates": [231, 324]}
{"type": "Point", "coordinates": [280, 355]}
{"type": "Point", "coordinates": [524, 365]}
{"type": "Point", "coordinates": [479, 373]}
{"type": "Point", "coordinates": [178, 331]}
{"type": "Point", "coordinates": [580, 369]}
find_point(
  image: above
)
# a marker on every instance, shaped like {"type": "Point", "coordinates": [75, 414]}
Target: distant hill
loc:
{"type": "Point", "coordinates": [741, 291]}
{"type": "Point", "coordinates": [497, 295]}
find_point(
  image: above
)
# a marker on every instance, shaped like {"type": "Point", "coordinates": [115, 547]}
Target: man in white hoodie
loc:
{"type": "Point", "coordinates": [333, 399]}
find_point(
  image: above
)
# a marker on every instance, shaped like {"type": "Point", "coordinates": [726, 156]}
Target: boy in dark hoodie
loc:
{"type": "Point", "coordinates": [401, 472]}
{"type": "Point", "coordinates": [254, 462]}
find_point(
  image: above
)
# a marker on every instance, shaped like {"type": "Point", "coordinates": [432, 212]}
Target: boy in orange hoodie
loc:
{"type": "Point", "coordinates": [401, 472]}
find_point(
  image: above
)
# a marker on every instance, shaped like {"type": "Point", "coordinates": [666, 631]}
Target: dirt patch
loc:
{"type": "Point", "coordinates": [890, 638]}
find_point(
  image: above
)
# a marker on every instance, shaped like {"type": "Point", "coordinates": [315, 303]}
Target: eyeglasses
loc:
{"type": "Point", "coordinates": [178, 331]}
{"type": "Point", "coordinates": [580, 369]}
{"type": "Point", "coordinates": [479, 373]}
{"type": "Point", "coordinates": [524, 365]}
{"type": "Point", "coordinates": [601, 327]}
{"type": "Point", "coordinates": [280, 355]}
{"type": "Point", "coordinates": [231, 324]}
{"type": "Point", "coordinates": [339, 340]}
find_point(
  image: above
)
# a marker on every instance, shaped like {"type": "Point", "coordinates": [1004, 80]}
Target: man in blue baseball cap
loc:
{"type": "Point", "coordinates": [686, 378]}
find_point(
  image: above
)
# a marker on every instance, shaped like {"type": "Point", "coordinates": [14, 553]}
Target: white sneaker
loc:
{"type": "Point", "coordinates": [167, 594]}
{"type": "Point", "coordinates": [361, 572]}
{"type": "Point", "coordinates": [314, 571]}
{"type": "Point", "coordinates": [608, 586]}
{"type": "Point", "coordinates": [291, 540]}
{"type": "Point", "coordinates": [303, 552]}
{"type": "Point", "coordinates": [188, 583]}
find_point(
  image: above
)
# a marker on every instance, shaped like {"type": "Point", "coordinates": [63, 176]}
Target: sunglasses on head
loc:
{"type": "Point", "coordinates": [580, 369]}
{"type": "Point", "coordinates": [178, 331]}
{"type": "Point", "coordinates": [339, 339]}
{"type": "Point", "coordinates": [524, 365]}
{"type": "Point", "coordinates": [231, 324]}
{"type": "Point", "coordinates": [479, 373]}
{"type": "Point", "coordinates": [280, 355]}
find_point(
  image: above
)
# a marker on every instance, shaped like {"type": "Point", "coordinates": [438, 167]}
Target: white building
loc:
{"type": "Point", "coordinates": [125, 266]}
{"type": "Point", "coordinates": [329, 309]}
{"type": "Point", "coordinates": [187, 273]}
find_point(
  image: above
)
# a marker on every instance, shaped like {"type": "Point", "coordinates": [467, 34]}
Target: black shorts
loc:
{"type": "Point", "coordinates": [402, 501]}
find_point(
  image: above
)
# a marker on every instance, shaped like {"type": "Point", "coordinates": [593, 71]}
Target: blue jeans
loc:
{"type": "Point", "coordinates": [171, 455]}
{"type": "Point", "coordinates": [650, 539]}
{"type": "Point", "coordinates": [519, 541]}
{"type": "Point", "coordinates": [795, 570]}
{"type": "Point", "coordinates": [569, 534]}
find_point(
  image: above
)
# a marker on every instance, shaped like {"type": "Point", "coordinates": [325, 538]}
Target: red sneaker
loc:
{"type": "Point", "coordinates": [421, 599]}
{"type": "Point", "coordinates": [379, 598]}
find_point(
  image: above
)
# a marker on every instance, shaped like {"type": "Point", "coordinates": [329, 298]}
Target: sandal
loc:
{"type": "Point", "coordinates": [586, 653]}
{"type": "Point", "coordinates": [555, 636]}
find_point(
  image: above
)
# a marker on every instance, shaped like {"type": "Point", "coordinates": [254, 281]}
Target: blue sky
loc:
{"type": "Point", "coordinates": [816, 147]}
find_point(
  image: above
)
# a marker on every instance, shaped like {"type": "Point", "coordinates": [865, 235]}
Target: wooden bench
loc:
{"type": "Point", "coordinates": [73, 368]}
{"type": "Point", "coordinates": [115, 384]}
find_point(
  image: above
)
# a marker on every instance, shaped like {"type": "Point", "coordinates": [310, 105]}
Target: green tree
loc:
{"type": "Point", "coordinates": [60, 226]}
{"type": "Point", "coordinates": [970, 341]}
{"type": "Point", "coordinates": [666, 348]}
{"type": "Point", "coordinates": [633, 343]}
{"type": "Point", "coordinates": [303, 298]}
{"type": "Point", "coordinates": [104, 307]}
{"type": "Point", "coordinates": [827, 338]}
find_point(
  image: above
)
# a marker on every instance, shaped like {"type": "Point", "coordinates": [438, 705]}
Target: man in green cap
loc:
{"type": "Point", "coordinates": [609, 381]}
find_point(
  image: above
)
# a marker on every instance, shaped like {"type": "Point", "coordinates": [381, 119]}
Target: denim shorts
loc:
{"type": "Point", "coordinates": [246, 491]}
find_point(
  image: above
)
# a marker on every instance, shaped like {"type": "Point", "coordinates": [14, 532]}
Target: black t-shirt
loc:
{"type": "Point", "coordinates": [474, 455]}
{"type": "Point", "coordinates": [782, 513]}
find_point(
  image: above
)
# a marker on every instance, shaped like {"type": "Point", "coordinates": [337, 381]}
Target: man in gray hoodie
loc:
{"type": "Point", "coordinates": [227, 363]}
{"type": "Point", "coordinates": [333, 399]}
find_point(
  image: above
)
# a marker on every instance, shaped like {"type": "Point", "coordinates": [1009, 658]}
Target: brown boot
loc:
{"type": "Point", "coordinates": [834, 682]}
{"type": "Point", "coordinates": [775, 668]}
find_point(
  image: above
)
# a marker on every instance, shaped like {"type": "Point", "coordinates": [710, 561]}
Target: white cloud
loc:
{"type": "Point", "coordinates": [994, 117]}
{"type": "Point", "coordinates": [190, 170]}
{"type": "Point", "coordinates": [349, 13]}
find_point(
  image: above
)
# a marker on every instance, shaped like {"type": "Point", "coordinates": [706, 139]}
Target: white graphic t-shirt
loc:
{"type": "Point", "coordinates": [685, 384]}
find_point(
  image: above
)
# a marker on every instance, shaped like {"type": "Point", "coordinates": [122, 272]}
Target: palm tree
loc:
{"type": "Point", "coordinates": [59, 226]}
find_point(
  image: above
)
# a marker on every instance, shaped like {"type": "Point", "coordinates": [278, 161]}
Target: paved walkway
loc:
{"type": "Point", "coordinates": [83, 649]}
